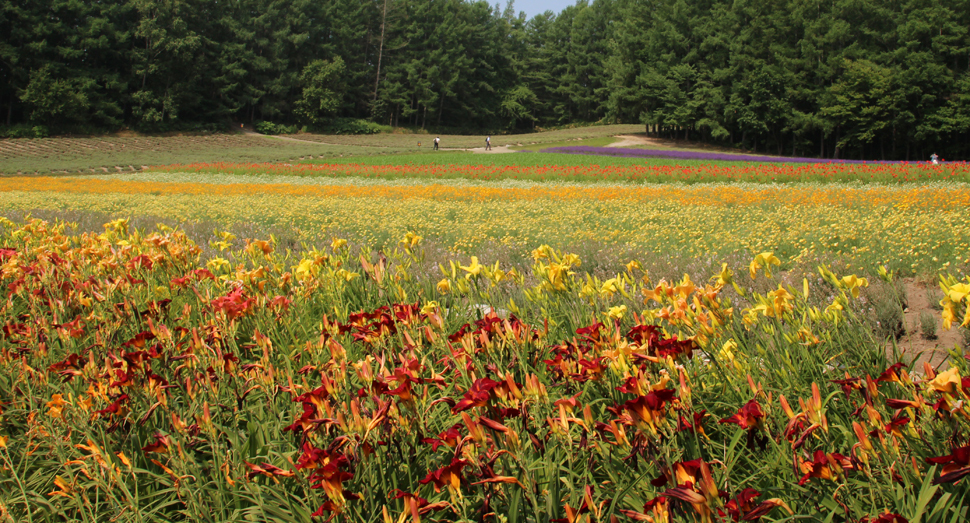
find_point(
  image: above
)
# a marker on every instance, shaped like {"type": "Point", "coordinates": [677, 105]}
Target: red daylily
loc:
{"type": "Point", "coordinates": [824, 466]}
{"type": "Point", "coordinates": [160, 445]}
{"type": "Point", "coordinates": [477, 395]}
{"type": "Point", "coordinates": [267, 470]}
{"type": "Point", "coordinates": [885, 517]}
{"type": "Point", "coordinates": [449, 437]}
{"type": "Point", "coordinates": [234, 304]}
{"type": "Point", "coordinates": [750, 416]}
{"type": "Point", "coordinates": [447, 476]}
{"type": "Point", "coordinates": [956, 465]}
{"type": "Point", "coordinates": [417, 505]}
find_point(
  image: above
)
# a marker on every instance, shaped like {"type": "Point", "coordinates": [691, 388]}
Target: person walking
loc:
{"type": "Point", "coordinates": [488, 143]}
{"type": "Point", "coordinates": [436, 139]}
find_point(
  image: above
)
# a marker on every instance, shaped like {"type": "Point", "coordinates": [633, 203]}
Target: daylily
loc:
{"type": "Point", "coordinates": [267, 470]}
{"type": "Point", "coordinates": [750, 416]}
{"type": "Point", "coordinates": [765, 260]}
{"type": "Point", "coordinates": [947, 381]}
{"type": "Point", "coordinates": [474, 269]}
{"type": "Point", "coordinates": [956, 465]}
{"type": "Point", "coordinates": [823, 466]}
{"type": "Point", "coordinates": [448, 476]}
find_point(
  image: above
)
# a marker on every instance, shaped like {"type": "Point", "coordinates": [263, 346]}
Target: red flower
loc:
{"type": "Point", "coordinates": [824, 466]}
{"type": "Point", "coordinates": [266, 470]}
{"type": "Point", "coordinates": [160, 445]}
{"type": "Point", "coordinates": [477, 395]}
{"type": "Point", "coordinates": [749, 416]}
{"type": "Point", "coordinates": [450, 437]}
{"type": "Point", "coordinates": [447, 476]}
{"type": "Point", "coordinates": [885, 517]}
{"type": "Point", "coordinates": [956, 465]}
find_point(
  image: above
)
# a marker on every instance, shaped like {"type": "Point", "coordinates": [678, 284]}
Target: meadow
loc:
{"type": "Point", "coordinates": [524, 337]}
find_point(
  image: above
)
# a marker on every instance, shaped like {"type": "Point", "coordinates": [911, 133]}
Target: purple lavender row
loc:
{"type": "Point", "coordinates": [691, 155]}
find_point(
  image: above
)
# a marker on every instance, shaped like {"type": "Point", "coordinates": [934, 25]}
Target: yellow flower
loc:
{"type": "Point", "coordinates": [346, 275]}
{"type": "Point", "coordinates": [444, 286]}
{"type": "Point", "coordinates": [3, 442]}
{"type": "Point", "coordinates": [55, 406]}
{"type": "Point", "coordinates": [725, 277]}
{"type": "Point", "coordinates": [411, 240]}
{"type": "Point", "coordinates": [338, 243]}
{"type": "Point", "coordinates": [429, 307]}
{"type": "Point", "coordinates": [618, 312]}
{"type": "Point", "coordinates": [307, 269]}
{"type": "Point", "coordinates": [853, 282]}
{"type": "Point", "coordinates": [946, 381]}
{"type": "Point", "coordinates": [217, 263]}
{"type": "Point", "coordinates": [473, 269]}
{"type": "Point", "coordinates": [765, 260]}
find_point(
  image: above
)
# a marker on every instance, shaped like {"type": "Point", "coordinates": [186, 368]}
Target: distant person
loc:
{"type": "Point", "coordinates": [436, 140]}
{"type": "Point", "coordinates": [934, 158]}
{"type": "Point", "coordinates": [488, 143]}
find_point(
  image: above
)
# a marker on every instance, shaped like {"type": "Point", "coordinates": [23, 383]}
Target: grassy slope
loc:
{"type": "Point", "coordinates": [524, 159]}
{"type": "Point", "coordinates": [465, 142]}
{"type": "Point", "coordinates": [131, 153]}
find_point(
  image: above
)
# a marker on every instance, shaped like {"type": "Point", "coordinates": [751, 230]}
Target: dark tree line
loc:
{"type": "Point", "coordinates": [835, 78]}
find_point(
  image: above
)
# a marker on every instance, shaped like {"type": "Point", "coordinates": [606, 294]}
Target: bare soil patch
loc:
{"type": "Point", "coordinates": [913, 342]}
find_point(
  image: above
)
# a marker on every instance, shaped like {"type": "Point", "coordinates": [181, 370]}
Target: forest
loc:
{"type": "Point", "coordinates": [860, 79]}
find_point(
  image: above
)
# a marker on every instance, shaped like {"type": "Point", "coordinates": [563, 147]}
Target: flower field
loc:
{"type": "Point", "coordinates": [392, 368]}
{"type": "Point", "coordinates": [909, 228]}
{"type": "Point", "coordinates": [140, 383]}
{"type": "Point", "coordinates": [537, 167]}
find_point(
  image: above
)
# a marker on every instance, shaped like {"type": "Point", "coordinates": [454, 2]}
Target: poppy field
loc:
{"type": "Point", "coordinates": [362, 375]}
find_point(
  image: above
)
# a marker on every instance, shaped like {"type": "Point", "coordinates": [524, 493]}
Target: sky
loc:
{"type": "Point", "coordinates": [535, 7]}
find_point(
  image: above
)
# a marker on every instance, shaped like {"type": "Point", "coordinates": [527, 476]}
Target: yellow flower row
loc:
{"type": "Point", "coordinates": [913, 228]}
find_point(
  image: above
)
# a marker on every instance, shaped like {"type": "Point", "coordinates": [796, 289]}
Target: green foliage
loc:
{"type": "Point", "coordinates": [872, 80]}
{"type": "Point", "coordinates": [322, 88]}
{"type": "Point", "coordinates": [274, 128]}
{"type": "Point", "coordinates": [352, 126]}
{"type": "Point", "coordinates": [24, 131]}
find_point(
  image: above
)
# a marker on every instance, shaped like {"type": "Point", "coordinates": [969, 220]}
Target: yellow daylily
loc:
{"type": "Point", "coordinates": [852, 283]}
{"type": "Point", "coordinates": [444, 286]}
{"type": "Point", "coordinates": [338, 243]}
{"type": "Point", "coordinates": [473, 269]}
{"type": "Point", "coordinates": [764, 260]}
{"type": "Point", "coordinates": [946, 381]}
{"type": "Point", "coordinates": [617, 312]}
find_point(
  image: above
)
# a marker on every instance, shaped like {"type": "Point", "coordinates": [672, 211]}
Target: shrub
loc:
{"type": "Point", "coordinates": [888, 302]}
{"type": "Point", "coordinates": [274, 128]}
{"type": "Point", "coordinates": [352, 126]}
{"type": "Point", "coordinates": [24, 131]}
{"type": "Point", "coordinates": [927, 325]}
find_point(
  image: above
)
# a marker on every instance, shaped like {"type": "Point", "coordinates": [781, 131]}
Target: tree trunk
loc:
{"type": "Point", "coordinates": [837, 136]}
{"type": "Point", "coordinates": [380, 52]}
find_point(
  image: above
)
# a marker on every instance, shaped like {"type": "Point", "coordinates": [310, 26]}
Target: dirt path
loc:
{"type": "Point", "coordinates": [920, 300]}
{"type": "Point", "coordinates": [250, 132]}
{"type": "Point", "coordinates": [627, 140]}
{"type": "Point", "coordinates": [495, 150]}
